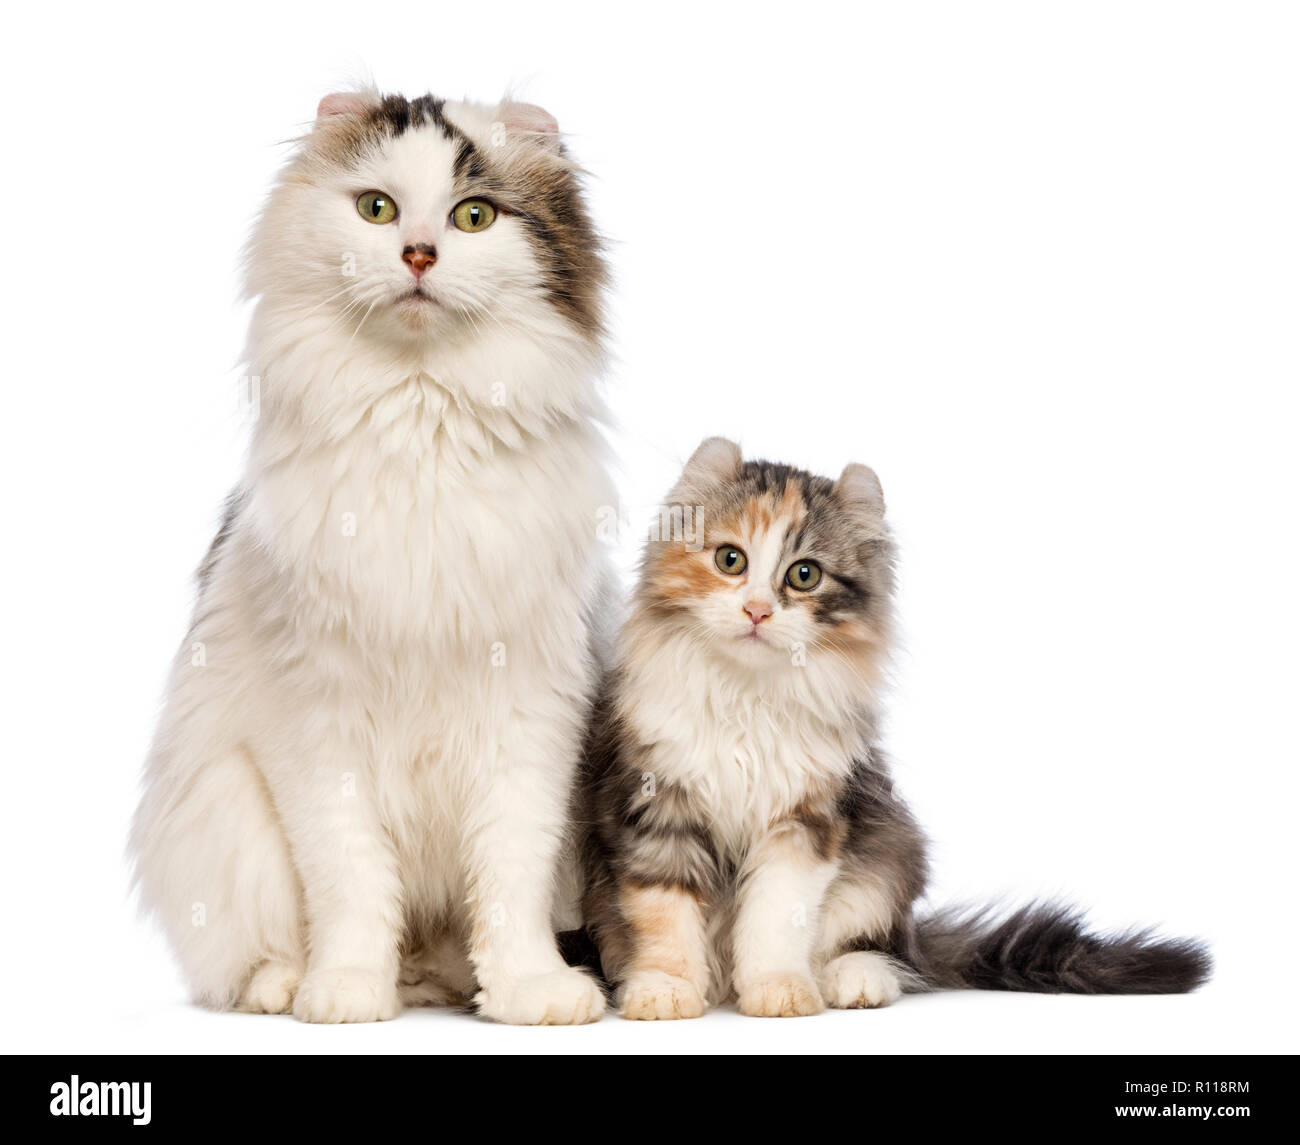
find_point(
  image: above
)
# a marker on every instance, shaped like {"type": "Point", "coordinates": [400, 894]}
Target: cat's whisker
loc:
{"type": "Point", "coordinates": [369, 311]}
{"type": "Point", "coordinates": [326, 301]}
{"type": "Point", "coordinates": [471, 304]}
{"type": "Point", "coordinates": [340, 321]}
{"type": "Point", "coordinates": [867, 682]}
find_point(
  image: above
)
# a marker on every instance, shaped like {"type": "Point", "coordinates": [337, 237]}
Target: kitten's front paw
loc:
{"type": "Point", "coordinates": [346, 995]}
{"type": "Point", "coordinates": [652, 995]}
{"type": "Point", "coordinates": [780, 996]}
{"type": "Point", "coordinates": [271, 989]}
{"type": "Point", "coordinates": [565, 997]}
{"type": "Point", "coordinates": [863, 979]}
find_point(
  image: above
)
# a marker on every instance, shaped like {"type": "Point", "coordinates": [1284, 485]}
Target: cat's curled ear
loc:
{"type": "Point", "coordinates": [716, 461]}
{"type": "Point", "coordinates": [344, 103]}
{"type": "Point", "coordinates": [859, 488]}
{"type": "Point", "coordinates": [532, 123]}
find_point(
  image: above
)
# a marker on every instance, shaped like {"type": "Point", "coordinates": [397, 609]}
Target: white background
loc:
{"type": "Point", "coordinates": [1036, 263]}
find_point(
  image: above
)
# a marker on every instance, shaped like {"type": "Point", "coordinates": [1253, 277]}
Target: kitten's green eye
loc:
{"type": "Point", "coordinates": [731, 560]}
{"type": "Point", "coordinates": [474, 215]}
{"type": "Point", "coordinates": [803, 575]}
{"type": "Point", "coordinates": [376, 207]}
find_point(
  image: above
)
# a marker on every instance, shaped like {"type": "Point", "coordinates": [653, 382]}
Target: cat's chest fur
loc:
{"type": "Point", "coordinates": [429, 517]}
{"type": "Point", "coordinates": [746, 756]}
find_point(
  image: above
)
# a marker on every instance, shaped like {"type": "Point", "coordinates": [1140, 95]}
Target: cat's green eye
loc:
{"type": "Point", "coordinates": [474, 215]}
{"type": "Point", "coordinates": [730, 560]}
{"type": "Point", "coordinates": [376, 207]}
{"type": "Point", "coordinates": [803, 575]}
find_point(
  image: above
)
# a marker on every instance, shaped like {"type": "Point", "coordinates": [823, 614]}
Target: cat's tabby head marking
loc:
{"type": "Point", "coordinates": [790, 561]}
{"type": "Point", "coordinates": [419, 218]}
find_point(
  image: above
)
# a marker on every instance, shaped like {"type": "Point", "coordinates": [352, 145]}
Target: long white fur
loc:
{"type": "Point", "coordinates": [371, 729]}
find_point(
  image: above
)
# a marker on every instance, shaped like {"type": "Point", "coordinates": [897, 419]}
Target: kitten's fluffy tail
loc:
{"type": "Point", "coordinates": [1046, 949]}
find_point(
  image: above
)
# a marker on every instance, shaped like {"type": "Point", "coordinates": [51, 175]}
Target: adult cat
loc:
{"type": "Point", "coordinates": [371, 728]}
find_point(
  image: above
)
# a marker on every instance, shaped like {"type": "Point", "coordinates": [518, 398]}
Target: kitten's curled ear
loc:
{"type": "Point", "coordinates": [716, 461]}
{"type": "Point", "coordinates": [344, 103]}
{"type": "Point", "coordinates": [532, 123]}
{"type": "Point", "coordinates": [859, 488]}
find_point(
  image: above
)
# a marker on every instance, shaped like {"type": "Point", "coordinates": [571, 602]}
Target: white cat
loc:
{"type": "Point", "coordinates": [363, 766]}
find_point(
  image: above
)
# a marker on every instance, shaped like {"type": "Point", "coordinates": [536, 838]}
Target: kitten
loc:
{"type": "Point", "coordinates": [741, 831]}
{"type": "Point", "coordinates": [371, 730]}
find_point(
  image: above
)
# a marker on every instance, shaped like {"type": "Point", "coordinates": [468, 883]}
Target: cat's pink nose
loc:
{"type": "Point", "coordinates": [419, 258]}
{"type": "Point", "coordinates": [759, 610]}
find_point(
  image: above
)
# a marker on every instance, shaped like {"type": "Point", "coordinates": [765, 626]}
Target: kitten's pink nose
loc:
{"type": "Point", "coordinates": [419, 258]}
{"type": "Point", "coordinates": [759, 610]}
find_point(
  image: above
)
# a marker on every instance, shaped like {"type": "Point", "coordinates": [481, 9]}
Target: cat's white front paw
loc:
{"type": "Point", "coordinates": [565, 997]}
{"type": "Point", "coordinates": [271, 989]}
{"type": "Point", "coordinates": [346, 995]}
{"type": "Point", "coordinates": [863, 979]}
{"type": "Point", "coordinates": [789, 995]}
{"type": "Point", "coordinates": [652, 995]}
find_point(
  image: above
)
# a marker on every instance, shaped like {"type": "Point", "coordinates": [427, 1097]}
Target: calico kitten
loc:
{"type": "Point", "coordinates": [742, 833]}
{"type": "Point", "coordinates": [363, 767]}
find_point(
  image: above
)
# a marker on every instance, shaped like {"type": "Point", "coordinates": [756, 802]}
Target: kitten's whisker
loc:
{"type": "Point", "coordinates": [841, 654]}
